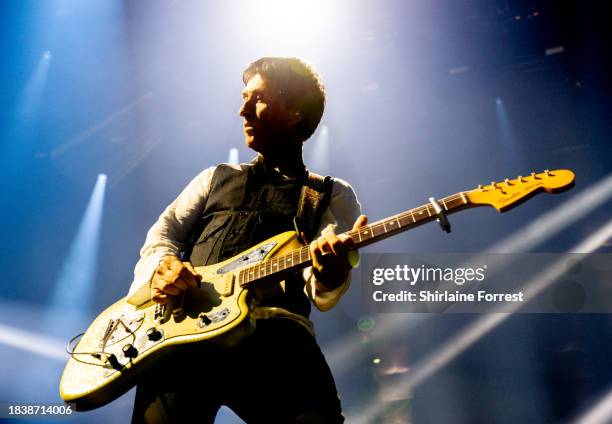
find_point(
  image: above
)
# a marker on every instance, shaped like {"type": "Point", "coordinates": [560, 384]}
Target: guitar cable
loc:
{"type": "Point", "coordinates": [98, 354]}
{"type": "Point", "coordinates": [73, 354]}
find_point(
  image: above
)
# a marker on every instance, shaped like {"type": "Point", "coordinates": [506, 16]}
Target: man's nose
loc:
{"type": "Point", "coordinates": [246, 109]}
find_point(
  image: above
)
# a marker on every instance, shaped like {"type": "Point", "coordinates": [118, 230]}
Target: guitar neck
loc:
{"type": "Point", "coordinates": [379, 230]}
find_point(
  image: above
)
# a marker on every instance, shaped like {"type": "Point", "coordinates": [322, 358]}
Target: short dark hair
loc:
{"type": "Point", "coordinates": [301, 85]}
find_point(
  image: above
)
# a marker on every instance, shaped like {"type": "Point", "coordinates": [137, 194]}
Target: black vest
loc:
{"type": "Point", "coordinates": [244, 207]}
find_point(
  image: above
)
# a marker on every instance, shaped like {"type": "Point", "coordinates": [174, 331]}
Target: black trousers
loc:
{"type": "Point", "coordinates": [276, 375]}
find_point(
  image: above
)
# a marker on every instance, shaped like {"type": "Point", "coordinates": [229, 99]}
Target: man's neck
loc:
{"type": "Point", "coordinates": [289, 163]}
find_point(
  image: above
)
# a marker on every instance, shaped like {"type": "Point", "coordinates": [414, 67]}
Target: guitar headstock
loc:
{"type": "Point", "coordinates": [508, 193]}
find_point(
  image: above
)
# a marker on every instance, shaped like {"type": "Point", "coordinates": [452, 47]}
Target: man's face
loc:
{"type": "Point", "coordinates": [267, 122]}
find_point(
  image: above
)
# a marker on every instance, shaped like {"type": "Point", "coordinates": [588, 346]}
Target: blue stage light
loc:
{"type": "Point", "coordinates": [70, 306]}
{"type": "Point", "coordinates": [233, 156]}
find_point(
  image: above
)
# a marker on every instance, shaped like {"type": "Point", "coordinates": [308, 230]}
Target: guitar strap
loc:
{"type": "Point", "coordinates": [314, 199]}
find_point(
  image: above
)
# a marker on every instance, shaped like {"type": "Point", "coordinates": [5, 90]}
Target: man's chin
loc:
{"type": "Point", "coordinates": [251, 143]}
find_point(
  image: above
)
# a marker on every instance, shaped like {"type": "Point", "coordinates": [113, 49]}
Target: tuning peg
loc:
{"type": "Point", "coordinates": [493, 184]}
{"type": "Point", "coordinates": [480, 187]}
{"type": "Point", "coordinates": [520, 178]}
{"type": "Point", "coordinates": [533, 175]}
{"type": "Point", "coordinates": [547, 172]}
{"type": "Point", "coordinates": [507, 181]}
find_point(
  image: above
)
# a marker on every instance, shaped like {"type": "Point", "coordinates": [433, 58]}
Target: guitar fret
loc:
{"type": "Point", "coordinates": [444, 204]}
{"type": "Point", "coordinates": [463, 198]}
{"type": "Point", "coordinates": [373, 228]}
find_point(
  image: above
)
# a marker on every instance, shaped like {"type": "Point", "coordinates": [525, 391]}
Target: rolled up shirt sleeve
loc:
{"type": "Point", "coordinates": [343, 210]}
{"type": "Point", "coordinates": [167, 237]}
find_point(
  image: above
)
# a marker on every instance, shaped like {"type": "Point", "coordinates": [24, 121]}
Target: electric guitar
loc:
{"type": "Point", "coordinates": [130, 337]}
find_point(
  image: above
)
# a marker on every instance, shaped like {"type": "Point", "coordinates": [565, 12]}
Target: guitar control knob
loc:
{"type": "Point", "coordinates": [111, 359]}
{"type": "Point", "coordinates": [129, 351]}
{"type": "Point", "coordinates": [154, 334]}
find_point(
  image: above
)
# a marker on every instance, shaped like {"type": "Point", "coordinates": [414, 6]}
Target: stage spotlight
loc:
{"type": "Point", "coordinates": [600, 413]}
{"type": "Point", "coordinates": [318, 153]}
{"type": "Point", "coordinates": [70, 306]}
{"type": "Point", "coordinates": [508, 141]}
{"type": "Point", "coordinates": [32, 92]}
{"type": "Point", "coordinates": [28, 341]}
{"type": "Point", "coordinates": [284, 26]}
{"type": "Point", "coordinates": [233, 157]}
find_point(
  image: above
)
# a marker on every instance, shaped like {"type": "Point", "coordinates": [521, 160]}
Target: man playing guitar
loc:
{"type": "Point", "coordinates": [278, 373]}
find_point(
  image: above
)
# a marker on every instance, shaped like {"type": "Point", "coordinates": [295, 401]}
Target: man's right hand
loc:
{"type": "Point", "coordinates": [172, 277]}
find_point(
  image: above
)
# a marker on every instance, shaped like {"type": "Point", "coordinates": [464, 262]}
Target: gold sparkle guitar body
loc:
{"type": "Point", "coordinates": [125, 340]}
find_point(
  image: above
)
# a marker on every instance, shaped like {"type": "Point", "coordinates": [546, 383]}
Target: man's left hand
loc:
{"type": "Point", "coordinates": [330, 255]}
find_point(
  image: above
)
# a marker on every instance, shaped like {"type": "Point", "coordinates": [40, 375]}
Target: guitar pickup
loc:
{"type": "Point", "coordinates": [226, 286]}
